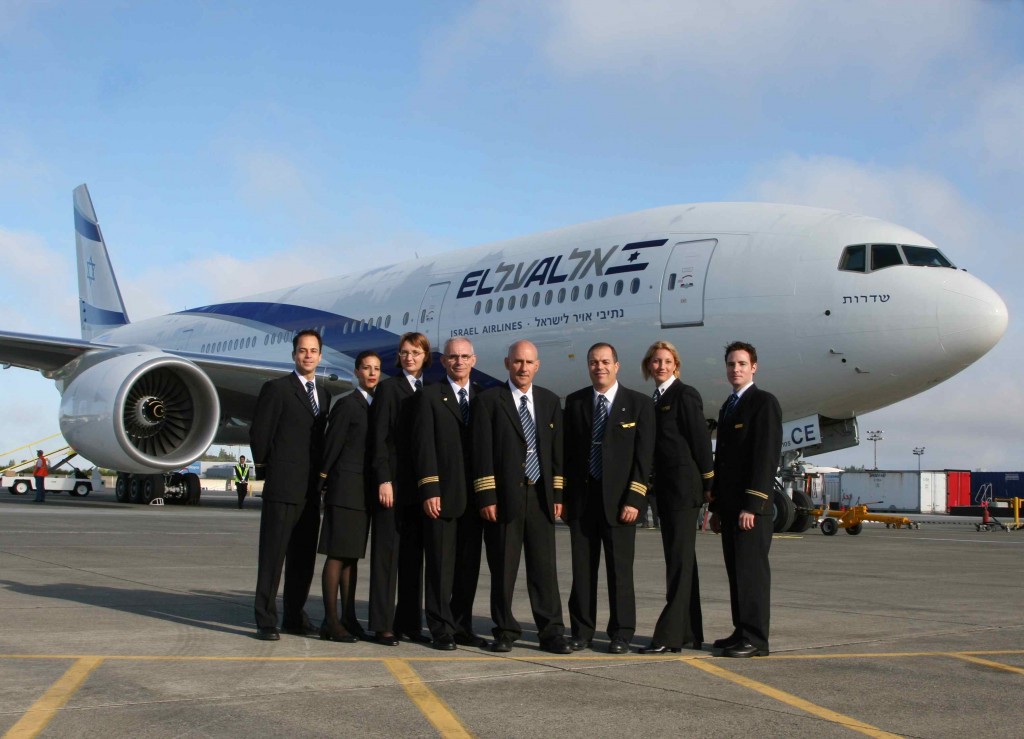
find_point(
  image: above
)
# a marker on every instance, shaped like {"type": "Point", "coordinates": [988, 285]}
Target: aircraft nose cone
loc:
{"type": "Point", "coordinates": [972, 318]}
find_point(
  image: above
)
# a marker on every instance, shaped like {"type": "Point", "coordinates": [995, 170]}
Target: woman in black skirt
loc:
{"type": "Point", "coordinates": [346, 522]}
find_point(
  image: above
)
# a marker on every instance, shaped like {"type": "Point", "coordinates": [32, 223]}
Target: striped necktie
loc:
{"type": "Point", "coordinates": [730, 404]}
{"type": "Point", "coordinates": [311, 392]}
{"type": "Point", "coordinates": [600, 421]}
{"type": "Point", "coordinates": [657, 396]}
{"type": "Point", "coordinates": [532, 465]}
{"type": "Point", "coordinates": [419, 386]}
{"type": "Point", "coordinates": [464, 405]}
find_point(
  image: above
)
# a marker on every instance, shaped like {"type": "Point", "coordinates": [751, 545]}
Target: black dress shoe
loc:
{"type": "Point", "coordinates": [386, 639]}
{"type": "Point", "coordinates": [470, 640]}
{"type": "Point", "coordinates": [501, 644]}
{"type": "Point", "coordinates": [414, 636]}
{"type": "Point", "coordinates": [268, 633]}
{"type": "Point", "coordinates": [336, 632]}
{"type": "Point", "coordinates": [444, 642]}
{"type": "Point", "coordinates": [618, 646]}
{"type": "Point", "coordinates": [744, 649]}
{"type": "Point", "coordinates": [698, 645]}
{"type": "Point", "coordinates": [732, 639]}
{"type": "Point", "coordinates": [653, 648]}
{"type": "Point", "coordinates": [556, 645]}
{"type": "Point", "coordinates": [301, 629]}
{"type": "Point", "coordinates": [577, 643]}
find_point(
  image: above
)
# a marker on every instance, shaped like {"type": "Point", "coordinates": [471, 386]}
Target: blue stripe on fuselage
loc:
{"type": "Point", "coordinates": [86, 228]}
{"type": "Point", "coordinates": [292, 318]}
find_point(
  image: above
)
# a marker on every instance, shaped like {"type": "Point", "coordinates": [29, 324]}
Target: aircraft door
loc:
{"type": "Point", "coordinates": [428, 319]}
{"type": "Point", "coordinates": [682, 288]}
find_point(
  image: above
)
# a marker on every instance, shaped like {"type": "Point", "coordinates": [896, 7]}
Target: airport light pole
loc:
{"type": "Point", "coordinates": [919, 452]}
{"type": "Point", "coordinates": [875, 437]}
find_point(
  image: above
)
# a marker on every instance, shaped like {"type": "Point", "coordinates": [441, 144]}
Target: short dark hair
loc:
{"type": "Point", "coordinates": [418, 340]}
{"type": "Point", "coordinates": [741, 346]}
{"type": "Point", "coordinates": [598, 345]}
{"type": "Point", "coordinates": [307, 332]}
{"type": "Point", "coordinates": [366, 355]}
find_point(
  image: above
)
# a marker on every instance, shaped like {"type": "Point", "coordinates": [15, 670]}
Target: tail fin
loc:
{"type": "Point", "coordinates": [99, 299]}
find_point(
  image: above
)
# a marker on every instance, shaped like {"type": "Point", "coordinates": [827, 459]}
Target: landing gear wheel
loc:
{"type": "Point", "coordinates": [855, 529]}
{"type": "Point", "coordinates": [783, 513]}
{"type": "Point", "coordinates": [802, 519]}
{"type": "Point", "coordinates": [152, 487]}
{"type": "Point", "coordinates": [195, 488]}
{"type": "Point", "coordinates": [123, 488]}
{"type": "Point", "coordinates": [137, 488]}
{"type": "Point", "coordinates": [829, 527]}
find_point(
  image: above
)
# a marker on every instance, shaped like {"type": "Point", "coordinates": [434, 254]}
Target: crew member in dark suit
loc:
{"type": "Point", "coordinates": [396, 554]}
{"type": "Point", "coordinates": [453, 530]}
{"type": "Point", "coordinates": [609, 445]}
{"type": "Point", "coordinates": [346, 524]}
{"type": "Point", "coordinates": [517, 471]}
{"type": "Point", "coordinates": [746, 459]}
{"type": "Point", "coordinates": [683, 475]}
{"type": "Point", "coordinates": [287, 441]}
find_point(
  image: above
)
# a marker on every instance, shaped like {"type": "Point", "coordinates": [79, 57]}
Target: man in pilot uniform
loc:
{"type": "Point", "coordinates": [747, 456]}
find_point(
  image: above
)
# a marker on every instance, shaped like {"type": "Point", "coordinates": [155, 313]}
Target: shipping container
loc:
{"type": "Point", "coordinates": [903, 492]}
{"type": "Point", "coordinates": [986, 487]}
{"type": "Point", "coordinates": [958, 488]}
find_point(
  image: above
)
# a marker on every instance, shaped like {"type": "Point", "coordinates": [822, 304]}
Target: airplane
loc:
{"type": "Point", "coordinates": [849, 314]}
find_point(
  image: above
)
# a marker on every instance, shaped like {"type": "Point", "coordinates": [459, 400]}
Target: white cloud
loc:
{"type": "Point", "coordinates": [995, 131]}
{"type": "Point", "coordinates": [37, 296]}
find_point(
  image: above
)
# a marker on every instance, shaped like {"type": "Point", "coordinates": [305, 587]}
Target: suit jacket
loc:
{"type": "Point", "coordinates": [287, 439]}
{"type": "Point", "coordinates": [346, 459]}
{"type": "Point", "coordinates": [391, 422]}
{"type": "Point", "coordinates": [683, 463]}
{"type": "Point", "coordinates": [747, 455]}
{"type": "Point", "coordinates": [442, 448]}
{"type": "Point", "coordinates": [627, 451]}
{"type": "Point", "coordinates": [499, 451]}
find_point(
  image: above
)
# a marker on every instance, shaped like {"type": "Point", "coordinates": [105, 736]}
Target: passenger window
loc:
{"type": "Point", "coordinates": [634, 285]}
{"type": "Point", "coordinates": [476, 309]}
{"type": "Point", "coordinates": [500, 305]}
{"type": "Point", "coordinates": [588, 292]}
{"type": "Point", "coordinates": [387, 321]}
{"type": "Point", "coordinates": [884, 255]}
{"type": "Point", "coordinates": [618, 287]}
{"type": "Point", "coordinates": [536, 299]}
{"type": "Point", "coordinates": [487, 307]}
{"type": "Point", "coordinates": [575, 294]}
{"type": "Point", "coordinates": [547, 297]}
{"type": "Point", "coordinates": [522, 300]}
{"type": "Point", "coordinates": [602, 290]}
{"type": "Point", "coordinates": [853, 259]}
{"type": "Point", "coordinates": [405, 319]}
{"type": "Point", "coordinates": [561, 295]}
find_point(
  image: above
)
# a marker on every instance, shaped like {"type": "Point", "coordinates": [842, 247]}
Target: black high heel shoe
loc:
{"type": "Point", "coordinates": [335, 632]}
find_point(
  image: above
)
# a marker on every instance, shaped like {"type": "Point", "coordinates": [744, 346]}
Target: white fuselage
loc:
{"type": "Point", "coordinates": [830, 342]}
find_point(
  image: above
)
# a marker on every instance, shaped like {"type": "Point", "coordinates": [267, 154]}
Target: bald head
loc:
{"type": "Point", "coordinates": [522, 364]}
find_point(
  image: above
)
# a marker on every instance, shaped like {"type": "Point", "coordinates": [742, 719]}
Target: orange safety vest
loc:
{"type": "Point", "coordinates": [42, 467]}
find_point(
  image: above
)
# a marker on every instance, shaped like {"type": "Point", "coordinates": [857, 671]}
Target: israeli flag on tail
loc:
{"type": "Point", "coordinates": [101, 307]}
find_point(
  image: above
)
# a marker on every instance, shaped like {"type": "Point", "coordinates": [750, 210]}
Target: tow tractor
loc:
{"type": "Point", "coordinates": [77, 485]}
{"type": "Point", "coordinates": [852, 519]}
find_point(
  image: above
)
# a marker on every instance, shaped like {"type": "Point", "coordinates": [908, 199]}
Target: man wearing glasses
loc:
{"type": "Point", "coordinates": [452, 531]}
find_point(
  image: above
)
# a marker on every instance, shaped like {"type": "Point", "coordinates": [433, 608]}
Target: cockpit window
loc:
{"type": "Point", "coordinates": [925, 256]}
{"type": "Point", "coordinates": [885, 255]}
{"type": "Point", "coordinates": [853, 259]}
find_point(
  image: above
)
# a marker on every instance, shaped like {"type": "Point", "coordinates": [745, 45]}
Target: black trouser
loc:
{"type": "Point", "coordinates": [591, 533]}
{"type": "Point", "coordinates": [396, 567]}
{"type": "Point", "coordinates": [468, 543]}
{"type": "Point", "coordinates": [505, 542]}
{"type": "Point", "coordinates": [439, 544]}
{"type": "Point", "coordinates": [750, 576]}
{"type": "Point", "coordinates": [242, 489]}
{"type": "Point", "coordinates": [676, 625]}
{"type": "Point", "coordinates": [288, 538]}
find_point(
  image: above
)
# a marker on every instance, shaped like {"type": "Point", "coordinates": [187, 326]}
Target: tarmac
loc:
{"type": "Point", "coordinates": [125, 620]}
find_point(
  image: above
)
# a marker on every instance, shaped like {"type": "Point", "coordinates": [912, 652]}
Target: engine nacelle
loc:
{"type": "Point", "coordinates": [139, 410]}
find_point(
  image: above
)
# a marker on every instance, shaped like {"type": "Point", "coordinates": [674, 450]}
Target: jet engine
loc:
{"type": "Point", "coordinates": [139, 410]}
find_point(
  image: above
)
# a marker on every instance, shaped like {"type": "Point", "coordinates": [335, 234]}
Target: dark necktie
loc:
{"type": "Point", "coordinates": [419, 386]}
{"type": "Point", "coordinates": [730, 404]}
{"type": "Point", "coordinates": [530, 432]}
{"type": "Point", "coordinates": [311, 392]}
{"type": "Point", "coordinates": [464, 405]}
{"type": "Point", "coordinates": [657, 396]}
{"type": "Point", "coordinates": [600, 421]}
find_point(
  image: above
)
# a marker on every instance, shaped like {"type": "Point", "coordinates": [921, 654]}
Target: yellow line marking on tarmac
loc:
{"type": "Point", "coordinates": [430, 704]}
{"type": "Point", "coordinates": [988, 663]}
{"type": "Point", "coordinates": [792, 700]}
{"type": "Point", "coordinates": [43, 710]}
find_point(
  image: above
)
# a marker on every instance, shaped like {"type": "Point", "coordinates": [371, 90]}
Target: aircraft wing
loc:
{"type": "Point", "coordinates": [44, 353]}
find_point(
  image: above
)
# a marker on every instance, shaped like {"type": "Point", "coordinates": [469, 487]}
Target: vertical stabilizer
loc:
{"type": "Point", "coordinates": [99, 299]}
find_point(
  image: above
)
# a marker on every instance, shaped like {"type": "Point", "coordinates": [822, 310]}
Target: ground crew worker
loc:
{"type": "Point", "coordinates": [241, 480]}
{"type": "Point", "coordinates": [42, 469]}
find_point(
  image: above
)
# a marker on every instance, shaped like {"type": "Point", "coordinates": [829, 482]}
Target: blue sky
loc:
{"type": "Point", "coordinates": [229, 146]}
